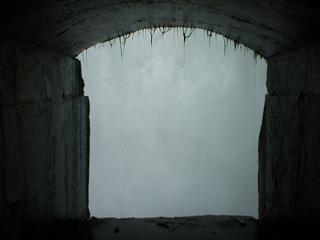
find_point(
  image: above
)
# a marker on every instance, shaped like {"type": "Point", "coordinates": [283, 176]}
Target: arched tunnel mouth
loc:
{"type": "Point", "coordinates": [102, 78]}
{"type": "Point", "coordinates": [40, 42]}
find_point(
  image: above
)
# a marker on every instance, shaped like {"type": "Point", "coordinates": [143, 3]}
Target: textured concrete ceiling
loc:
{"type": "Point", "coordinates": [70, 26]}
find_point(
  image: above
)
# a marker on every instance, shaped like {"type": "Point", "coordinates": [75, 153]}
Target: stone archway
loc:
{"type": "Point", "coordinates": [70, 26]}
{"type": "Point", "coordinates": [44, 115]}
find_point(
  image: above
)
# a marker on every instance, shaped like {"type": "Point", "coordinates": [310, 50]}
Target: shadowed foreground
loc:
{"type": "Point", "coordinates": [195, 227]}
{"type": "Point", "coordinates": [185, 228]}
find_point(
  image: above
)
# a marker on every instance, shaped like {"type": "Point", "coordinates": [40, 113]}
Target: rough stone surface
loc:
{"type": "Point", "coordinates": [29, 75]}
{"type": "Point", "coordinates": [289, 141]}
{"type": "Point", "coordinates": [44, 137]}
{"type": "Point", "coordinates": [45, 157]}
{"type": "Point", "coordinates": [295, 72]}
{"type": "Point", "coordinates": [68, 27]}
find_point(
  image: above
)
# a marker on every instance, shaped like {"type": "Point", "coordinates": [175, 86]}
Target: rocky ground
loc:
{"type": "Point", "coordinates": [194, 227]}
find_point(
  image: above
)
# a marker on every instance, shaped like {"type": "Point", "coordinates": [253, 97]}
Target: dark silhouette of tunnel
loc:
{"type": "Point", "coordinates": [44, 143]}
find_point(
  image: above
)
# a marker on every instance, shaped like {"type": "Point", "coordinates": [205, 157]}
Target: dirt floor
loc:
{"type": "Point", "coordinates": [187, 228]}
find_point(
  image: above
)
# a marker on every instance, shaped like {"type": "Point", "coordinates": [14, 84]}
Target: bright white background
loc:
{"type": "Point", "coordinates": [174, 126]}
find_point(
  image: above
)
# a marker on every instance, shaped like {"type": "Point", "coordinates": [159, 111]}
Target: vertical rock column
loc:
{"type": "Point", "coordinates": [44, 136]}
{"type": "Point", "coordinates": [289, 144]}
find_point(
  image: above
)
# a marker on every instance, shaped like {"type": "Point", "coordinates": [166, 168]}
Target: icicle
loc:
{"type": "Point", "coordinates": [235, 44]}
{"type": "Point", "coordinates": [151, 31]}
{"type": "Point", "coordinates": [174, 38]}
{"type": "Point", "coordinates": [132, 34]}
{"type": "Point", "coordinates": [185, 33]}
{"type": "Point", "coordinates": [112, 42]}
{"type": "Point", "coordinates": [122, 42]}
{"type": "Point", "coordinates": [209, 35]}
{"type": "Point", "coordinates": [215, 36]}
{"type": "Point", "coordinates": [255, 56]}
{"type": "Point", "coordinates": [120, 46]}
{"type": "Point", "coordinates": [164, 30]}
{"type": "Point", "coordinates": [227, 45]}
{"type": "Point", "coordinates": [177, 33]}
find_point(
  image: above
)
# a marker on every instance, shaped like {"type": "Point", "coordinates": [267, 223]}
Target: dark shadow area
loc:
{"type": "Point", "coordinates": [197, 227]}
{"type": "Point", "coordinates": [192, 227]}
{"type": "Point", "coordinates": [49, 229]}
{"type": "Point", "coordinates": [288, 229]}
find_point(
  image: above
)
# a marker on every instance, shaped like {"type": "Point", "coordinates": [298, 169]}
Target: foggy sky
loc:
{"type": "Point", "coordinates": [174, 126]}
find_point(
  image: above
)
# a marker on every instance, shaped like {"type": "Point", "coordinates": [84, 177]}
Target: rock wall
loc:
{"type": "Point", "coordinates": [289, 144]}
{"type": "Point", "coordinates": [69, 27]}
{"type": "Point", "coordinates": [44, 136]}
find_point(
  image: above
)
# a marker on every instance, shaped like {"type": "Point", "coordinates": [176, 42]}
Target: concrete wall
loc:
{"type": "Point", "coordinates": [289, 145]}
{"type": "Point", "coordinates": [70, 26]}
{"type": "Point", "coordinates": [44, 136]}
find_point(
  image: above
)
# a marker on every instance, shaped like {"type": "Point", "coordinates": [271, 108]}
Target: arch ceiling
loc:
{"type": "Point", "coordinates": [70, 26]}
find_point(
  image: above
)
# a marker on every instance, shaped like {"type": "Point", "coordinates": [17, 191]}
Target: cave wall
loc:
{"type": "Point", "coordinates": [70, 26]}
{"type": "Point", "coordinates": [289, 145]}
{"type": "Point", "coordinates": [44, 136]}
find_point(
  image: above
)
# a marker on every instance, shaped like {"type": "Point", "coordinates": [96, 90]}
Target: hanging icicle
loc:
{"type": "Point", "coordinates": [164, 30]}
{"type": "Point", "coordinates": [186, 34]}
{"type": "Point", "coordinates": [122, 41]}
{"type": "Point", "coordinates": [209, 35]}
{"type": "Point", "coordinates": [151, 31]}
{"type": "Point", "coordinates": [112, 42]}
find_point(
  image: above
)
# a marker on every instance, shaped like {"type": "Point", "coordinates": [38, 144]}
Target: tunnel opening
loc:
{"type": "Point", "coordinates": [44, 118]}
{"type": "Point", "coordinates": [150, 143]}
